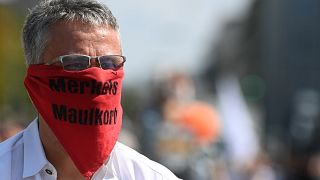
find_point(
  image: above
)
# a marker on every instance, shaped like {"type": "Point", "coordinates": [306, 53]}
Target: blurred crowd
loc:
{"type": "Point", "coordinates": [251, 114]}
{"type": "Point", "coordinates": [9, 128]}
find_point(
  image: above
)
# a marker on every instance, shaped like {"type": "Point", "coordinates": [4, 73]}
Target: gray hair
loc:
{"type": "Point", "coordinates": [35, 30]}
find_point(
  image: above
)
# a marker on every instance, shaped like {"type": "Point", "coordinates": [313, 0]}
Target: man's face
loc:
{"type": "Point", "coordinates": [79, 38]}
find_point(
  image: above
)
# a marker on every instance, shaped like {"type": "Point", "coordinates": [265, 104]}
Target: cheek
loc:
{"type": "Point", "coordinates": [48, 54]}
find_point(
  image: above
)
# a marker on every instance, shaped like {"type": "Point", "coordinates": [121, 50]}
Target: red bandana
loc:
{"type": "Point", "coordinates": [82, 108]}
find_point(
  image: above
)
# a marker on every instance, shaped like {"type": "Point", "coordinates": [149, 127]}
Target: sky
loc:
{"type": "Point", "coordinates": [160, 36]}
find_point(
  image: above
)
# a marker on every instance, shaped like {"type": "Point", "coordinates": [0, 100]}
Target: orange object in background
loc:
{"type": "Point", "coordinates": [201, 120]}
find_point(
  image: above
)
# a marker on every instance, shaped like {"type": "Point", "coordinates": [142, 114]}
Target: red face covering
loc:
{"type": "Point", "coordinates": [82, 108]}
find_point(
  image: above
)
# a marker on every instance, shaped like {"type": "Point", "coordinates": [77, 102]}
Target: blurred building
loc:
{"type": "Point", "coordinates": [275, 54]}
{"type": "Point", "coordinates": [290, 52]}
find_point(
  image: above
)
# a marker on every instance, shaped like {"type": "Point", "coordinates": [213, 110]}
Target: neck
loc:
{"type": "Point", "coordinates": [56, 154]}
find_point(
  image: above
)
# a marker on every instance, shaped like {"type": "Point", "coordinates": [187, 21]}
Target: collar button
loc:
{"type": "Point", "coordinates": [48, 171]}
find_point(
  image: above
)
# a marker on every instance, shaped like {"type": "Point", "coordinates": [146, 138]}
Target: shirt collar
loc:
{"type": "Point", "coordinates": [35, 159]}
{"type": "Point", "coordinates": [34, 156]}
{"type": "Point", "coordinates": [106, 170]}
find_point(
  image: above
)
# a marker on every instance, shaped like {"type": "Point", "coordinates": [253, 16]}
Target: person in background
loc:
{"type": "Point", "coordinates": [180, 130]}
{"type": "Point", "coordinates": [9, 128]}
{"type": "Point", "coordinates": [74, 79]}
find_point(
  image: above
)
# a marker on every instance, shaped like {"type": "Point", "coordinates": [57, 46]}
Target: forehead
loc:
{"type": "Point", "coordinates": [77, 37]}
{"type": "Point", "coordinates": [77, 26]}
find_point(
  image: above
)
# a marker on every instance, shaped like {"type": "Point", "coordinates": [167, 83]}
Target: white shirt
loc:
{"type": "Point", "coordinates": [22, 158]}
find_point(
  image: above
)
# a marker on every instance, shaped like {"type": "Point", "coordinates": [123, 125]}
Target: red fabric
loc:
{"type": "Point", "coordinates": [82, 108]}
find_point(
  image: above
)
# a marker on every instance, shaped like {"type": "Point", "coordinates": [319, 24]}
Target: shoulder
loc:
{"type": "Point", "coordinates": [137, 166]}
{"type": "Point", "coordinates": [10, 144]}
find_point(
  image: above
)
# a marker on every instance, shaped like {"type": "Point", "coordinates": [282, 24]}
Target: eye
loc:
{"type": "Point", "coordinates": [111, 62]}
{"type": "Point", "coordinates": [107, 65]}
{"type": "Point", "coordinates": [75, 62]}
{"type": "Point", "coordinates": [76, 66]}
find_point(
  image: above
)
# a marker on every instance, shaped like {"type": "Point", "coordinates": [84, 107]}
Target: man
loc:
{"type": "Point", "coordinates": [74, 76]}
